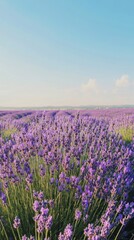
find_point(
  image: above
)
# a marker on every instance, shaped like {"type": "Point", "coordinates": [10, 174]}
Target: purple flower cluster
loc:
{"type": "Point", "coordinates": [40, 206]}
{"type": "Point", "coordinates": [81, 165]}
{"type": "Point", "coordinates": [16, 223]}
{"type": "Point", "coordinates": [28, 238]}
{"type": "Point", "coordinates": [68, 233]}
{"type": "Point", "coordinates": [78, 214]}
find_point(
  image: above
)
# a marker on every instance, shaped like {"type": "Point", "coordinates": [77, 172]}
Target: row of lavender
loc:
{"type": "Point", "coordinates": [65, 175]}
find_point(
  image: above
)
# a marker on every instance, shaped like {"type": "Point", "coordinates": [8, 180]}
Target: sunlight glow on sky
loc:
{"type": "Point", "coordinates": [66, 52]}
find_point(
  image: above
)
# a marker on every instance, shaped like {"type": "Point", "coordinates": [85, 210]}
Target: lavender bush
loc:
{"type": "Point", "coordinates": [65, 175]}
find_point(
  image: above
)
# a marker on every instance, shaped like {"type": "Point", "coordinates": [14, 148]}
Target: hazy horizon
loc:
{"type": "Point", "coordinates": [88, 107]}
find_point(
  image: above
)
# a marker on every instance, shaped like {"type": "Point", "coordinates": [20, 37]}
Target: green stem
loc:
{"type": "Point", "coordinates": [4, 229]}
{"type": "Point", "coordinates": [118, 232]}
{"type": "Point", "coordinates": [46, 234]}
{"type": "Point", "coordinates": [18, 234]}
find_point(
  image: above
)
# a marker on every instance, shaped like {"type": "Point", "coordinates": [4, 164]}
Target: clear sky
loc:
{"type": "Point", "coordinates": [66, 52]}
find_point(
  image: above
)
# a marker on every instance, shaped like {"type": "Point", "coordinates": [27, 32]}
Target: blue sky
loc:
{"type": "Point", "coordinates": [73, 52]}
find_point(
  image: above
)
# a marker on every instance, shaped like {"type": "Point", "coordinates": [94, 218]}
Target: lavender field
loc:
{"type": "Point", "coordinates": [67, 175]}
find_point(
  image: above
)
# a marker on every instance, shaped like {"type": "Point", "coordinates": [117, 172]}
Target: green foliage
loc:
{"type": "Point", "coordinates": [6, 133]}
{"type": "Point", "coordinates": [127, 133]}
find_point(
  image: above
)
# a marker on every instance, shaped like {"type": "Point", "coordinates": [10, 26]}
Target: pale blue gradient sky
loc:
{"type": "Point", "coordinates": [73, 52]}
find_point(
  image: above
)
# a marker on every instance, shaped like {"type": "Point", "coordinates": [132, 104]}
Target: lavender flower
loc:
{"type": "Point", "coordinates": [36, 206]}
{"type": "Point", "coordinates": [24, 237]}
{"type": "Point", "coordinates": [16, 223]}
{"type": "Point", "coordinates": [77, 214]}
{"type": "Point", "coordinates": [68, 233]}
{"type": "Point", "coordinates": [48, 222]}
